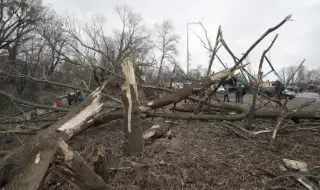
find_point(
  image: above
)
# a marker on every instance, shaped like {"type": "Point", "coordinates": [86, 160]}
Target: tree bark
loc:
{"type": "Point", "coordinates": [78, 172]}
{"type": "Point", "coordinates": [101, 163]}
{"type": "Point", "coordinates": [224, 107]}
{"type": "Point", "coordinates": [264, 114]}
{"type": "Point", "coordinates": [133, 141]}
{"type": "Point", "coordinates": [26, 166]}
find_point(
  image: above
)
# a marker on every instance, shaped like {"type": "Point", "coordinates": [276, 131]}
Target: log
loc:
{"type": "Point", "coordinates": [101, 164]}
{"type": "Point", "coordinates": [133, 134]}
{"type": "Point", "coordinates": [157, 131]}
{"type": "Point", "coordinates": [267, 114]}
{"type": "Point", "coordinates": [26, 166]}
{"type": "Point", "coordinates": [224, 107]}
{"type": "Point", "coordinates": [187, 116]}
{"type": "Point", "coordinates": [78, 172]}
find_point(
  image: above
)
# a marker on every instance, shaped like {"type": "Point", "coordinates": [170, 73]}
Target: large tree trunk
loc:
{"type": "Point", "coordinates": [26, 166]}
{"type": "Point", "coordinates": [78, 172]}
{"type": "Point", "coordinates": [263, 113]}
{"type": "Point", "coordinates": [133, 133]}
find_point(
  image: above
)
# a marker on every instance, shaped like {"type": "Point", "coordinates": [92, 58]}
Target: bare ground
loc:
{"type": "Point", "coordinates": [201, 155]}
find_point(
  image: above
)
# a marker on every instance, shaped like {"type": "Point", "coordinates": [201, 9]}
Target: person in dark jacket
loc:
{"type": "Point", "coordinates": [70, 99]}
{"type": "Point", "coordinates": [243, 93]}
{"type": "Point", "coordinates": [226, 93]}
{"type": "Point", "coordinates": [239, 94]}
{"type": "Point", "coordinates": [278, 89]}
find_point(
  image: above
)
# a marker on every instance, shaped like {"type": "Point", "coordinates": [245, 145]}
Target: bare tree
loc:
{"type": "Point", "coordinates": [17, 19]}
{"type": "Point", "coordinates": [292, 74]}
{"type": "Point", "coordinates": [53, 33]}
{"type": "Point", "coordinates": [105, 53]}
{"type": "Point", "coordinates": [166, 43]}
{"type": "Point", "coordinates": [18, 22]}
{"type": "Point", "coordinates": [313, 75]}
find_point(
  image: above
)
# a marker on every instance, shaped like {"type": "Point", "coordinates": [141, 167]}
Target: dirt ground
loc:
{"type": "Point", "coordinates": [197, 155]}
{"type": "Point", "coordinates": [202, 155]}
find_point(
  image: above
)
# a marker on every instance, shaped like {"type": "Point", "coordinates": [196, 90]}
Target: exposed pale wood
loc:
{"type": "Point", "coordinates": [26, 166]}
{"type": "Point", "coordinates": [157, 131]}
{"type": "Point", "coordinates": [133, 133]}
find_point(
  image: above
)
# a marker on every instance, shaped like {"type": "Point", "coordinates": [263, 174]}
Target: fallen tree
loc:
{"type": "Point", "coordinates": [26, 166]}
{"type": "Point", "coordinates": [78, 172]}
{"type": "Point", "coordinates": [263, 113]}
{"type": "Point", "coordinates": [188, 90]}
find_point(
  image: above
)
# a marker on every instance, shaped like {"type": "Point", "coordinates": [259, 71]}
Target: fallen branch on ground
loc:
{"type": "Point", "coordinates": [296, 110]}
{"type": "Point", "coordinates": [157, 131]}
{"type": "Point", "coordinates": [236, 132]}
{"type": "Point", "coordinates": [303, 114]}
{"type": "Point", "coordinates": [24, 160]}
{"type": "Point", "coordinates": [78, 172]}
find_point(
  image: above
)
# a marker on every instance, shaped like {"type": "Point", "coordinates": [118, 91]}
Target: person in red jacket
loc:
{"type": "Point", "coordinates": [58, 103]}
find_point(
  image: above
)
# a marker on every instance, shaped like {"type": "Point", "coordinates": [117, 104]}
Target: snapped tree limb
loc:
{"type": "Point", "coordinates": [132, 123]}
{"type": "Point", "coordinates": [26, 166]}
{"type": "Point", "coordinates": [255, 91]}
{"type": "Point", "coordinates": [78, 171]}
{"type": "Point", "coordinates": [186, 91]}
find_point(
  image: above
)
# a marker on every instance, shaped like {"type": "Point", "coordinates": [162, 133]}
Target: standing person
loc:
{"type": "Point", "coordinates": [278, 89]}
{"type": "Point", "coordinates": [226, 93]}
{"type": "Point", "coordinates": [239, 94]}
{"type": "Point", "coordinates": [70, 98]}
{"type": "Point", "coordinates": [243, 93]}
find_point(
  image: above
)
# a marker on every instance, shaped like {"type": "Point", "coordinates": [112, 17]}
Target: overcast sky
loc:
{"type": "Point", "coordinates": [242, 21]}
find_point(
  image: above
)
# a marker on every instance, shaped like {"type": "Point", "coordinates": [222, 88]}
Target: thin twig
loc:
{"type": "Point", "coordinates": [17, 138]}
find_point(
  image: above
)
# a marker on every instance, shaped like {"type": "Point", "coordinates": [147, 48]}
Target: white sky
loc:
{"type": "Point", "coordinates": [243, 21]}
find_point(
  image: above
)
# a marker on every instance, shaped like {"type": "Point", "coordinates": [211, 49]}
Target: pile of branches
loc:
{"type": "Point", "coordinates": [26, 167]}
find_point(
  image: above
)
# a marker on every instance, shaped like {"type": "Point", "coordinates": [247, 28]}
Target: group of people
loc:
{"type": "Point", "coordinates": [72, 97]}
{"type": "Point", "coordinates": [240, 92]}
{"type": "Point", "coordinates": [75, 97]}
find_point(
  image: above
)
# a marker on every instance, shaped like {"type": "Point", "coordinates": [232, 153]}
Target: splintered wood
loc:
{"type": "Point", "coordinates": [132, 122]}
